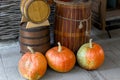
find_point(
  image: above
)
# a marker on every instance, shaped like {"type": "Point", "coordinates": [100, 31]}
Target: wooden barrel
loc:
{"type": "Point", "coordinates": [72, 23]}
{"type": "Point", "coordinates": [36, 11]}
{"type": "Point", "coordinates": [37, 38]}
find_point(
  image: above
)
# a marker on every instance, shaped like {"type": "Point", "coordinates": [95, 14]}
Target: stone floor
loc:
{"type": "Point", "coordinates": [110, 70]}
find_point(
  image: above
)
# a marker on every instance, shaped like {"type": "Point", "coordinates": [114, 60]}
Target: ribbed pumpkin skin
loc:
{"type": "Point", "coordinates": [32, 66]}
{"type": "Point", "coordinates": [90, 58]}
{"type": "Point", "coordinates": [62, 61]}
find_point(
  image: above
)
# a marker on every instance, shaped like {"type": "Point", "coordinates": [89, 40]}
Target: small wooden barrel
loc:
{"type": "Point", "coordinates": [37, 38]}
{"type": "Point", "coordinates": [72, 23]}
{"type": "Point", "coordinates": [36, 11]}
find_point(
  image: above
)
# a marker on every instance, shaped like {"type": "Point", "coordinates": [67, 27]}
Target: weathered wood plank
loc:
{"type": "Point", "coordinates": [115, 48]}
{"type": "Point", "coordinates": [110, 70]}
{"type": "Point", "coordinates": [10, 57]}
{"type": "Point", "coordinates": [77, 73]}
{"type": "Point", "coordinates": [2, 70]}
{"type": "Point", "coordinates": [13, 70]}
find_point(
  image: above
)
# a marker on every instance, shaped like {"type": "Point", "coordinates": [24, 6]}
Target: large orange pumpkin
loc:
{"type": "Point", "coordinates": [90, 56]}
{"type": "Point", "coordinates": [32, 65]}
{"type": "Point", "coordinates": [60, 58]}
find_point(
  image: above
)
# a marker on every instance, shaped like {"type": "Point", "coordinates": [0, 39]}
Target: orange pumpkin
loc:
{"type": "Point", "coordinates": [32, 65]}
{"type": "Point", "coordinates": [90, 56]}
{"type": "Point", "coordinates": [60, 58]}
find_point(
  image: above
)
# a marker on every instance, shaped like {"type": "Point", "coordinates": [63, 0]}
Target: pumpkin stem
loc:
{"type": "Point", "coordinates": [59, 47]}
{"type": "Point", "coordinates": [31, 50]}
{"type": "Point", "coordinates": [90, 42]}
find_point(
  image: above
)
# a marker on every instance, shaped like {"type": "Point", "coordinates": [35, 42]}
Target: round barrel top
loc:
{"type": "Point", "coordinates": [73, 2]}
{"type": "Point", "coordinates": [38, 11]}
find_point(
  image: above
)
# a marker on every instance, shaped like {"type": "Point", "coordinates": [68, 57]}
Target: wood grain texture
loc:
{"type": "Point", "coordinates": [67, 21]}
{"type": "Point", "coordinates": [35, 11]}
{"type": "Point", "coordinates": [38, 38]}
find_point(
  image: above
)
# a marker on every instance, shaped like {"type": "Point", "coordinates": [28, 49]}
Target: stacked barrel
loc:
{"type": "Point", "coordinates": [34, 30]}
{"type": "Point", "coordinates": [72, 24]}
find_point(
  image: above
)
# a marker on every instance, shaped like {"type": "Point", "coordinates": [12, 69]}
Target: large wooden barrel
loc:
{"type": "Point", "coordinates": [36, 11]}
{"type": "Point", "coordinates": [72, 23]}
{"type": "Point", "coordinates": [37, 38]}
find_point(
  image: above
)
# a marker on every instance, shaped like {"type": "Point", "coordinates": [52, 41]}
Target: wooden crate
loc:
{"type": "Point", "coordinates": [101, 14]}
{"type": "Point", "coordinates": [98, 13]}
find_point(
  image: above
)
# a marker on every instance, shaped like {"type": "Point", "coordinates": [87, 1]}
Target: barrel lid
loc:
{"type": "Point", "coordinates": [38, 11]}
{"type": "Point", "coordinates": [73, 2]}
